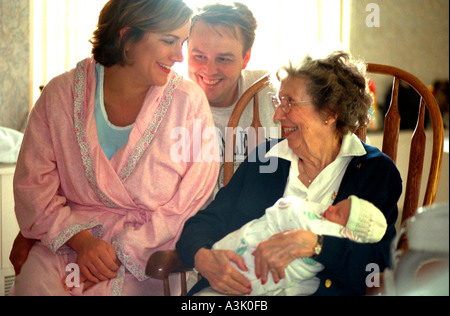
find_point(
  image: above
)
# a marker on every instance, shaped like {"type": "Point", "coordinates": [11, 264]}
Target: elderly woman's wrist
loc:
{"type": "Point", "coordinates": [317, 247]}
{"type": "Point", "coordinates": [198, 257]}
{"type": "Point", "coordinates": [306, 244]}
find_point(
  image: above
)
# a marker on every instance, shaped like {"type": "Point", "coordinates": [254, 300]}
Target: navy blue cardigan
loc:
{"type": "Point", "coordinates": [373, 177]}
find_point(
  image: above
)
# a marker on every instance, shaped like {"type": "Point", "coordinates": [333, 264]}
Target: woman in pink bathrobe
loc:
{"type": "Point", "coordinates": [118, 153]}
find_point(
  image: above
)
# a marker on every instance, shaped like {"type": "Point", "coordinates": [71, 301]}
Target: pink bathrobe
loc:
{"type": "Point", "coordinates": [138, 200]}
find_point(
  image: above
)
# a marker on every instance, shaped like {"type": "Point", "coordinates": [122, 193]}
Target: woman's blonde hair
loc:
{"type": "Point", "coordinates": [138, 17]}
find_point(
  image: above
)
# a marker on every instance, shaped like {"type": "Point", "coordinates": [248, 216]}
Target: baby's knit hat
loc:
{"type": "Point", "coordinates": [366, 220]}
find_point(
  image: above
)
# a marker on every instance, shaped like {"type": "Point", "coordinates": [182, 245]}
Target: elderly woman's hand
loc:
{"type": "Point", "coordinates": [277, 252]}
{"type": "Point", "coordinates": [216, 267]}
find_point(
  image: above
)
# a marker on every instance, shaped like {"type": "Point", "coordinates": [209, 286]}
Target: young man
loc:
{"type": "Point", "coordinates": [219, 49]}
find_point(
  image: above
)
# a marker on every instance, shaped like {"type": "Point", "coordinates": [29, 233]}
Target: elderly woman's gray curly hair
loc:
{"type": "Point", "coordinates": [338, 87]}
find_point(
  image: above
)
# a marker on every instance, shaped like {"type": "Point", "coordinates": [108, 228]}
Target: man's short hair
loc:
{"type": "Point", "coordinates": [236, 16]}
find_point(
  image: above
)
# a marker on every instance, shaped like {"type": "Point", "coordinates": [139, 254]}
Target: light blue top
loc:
{"type": "Point", "coordinates": [111, 137]}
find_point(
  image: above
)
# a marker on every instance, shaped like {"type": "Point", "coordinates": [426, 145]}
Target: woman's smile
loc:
{"type": "Point", "coordinates": [164, 68]}
{"type": "Point", "coordinates": [289, 130]}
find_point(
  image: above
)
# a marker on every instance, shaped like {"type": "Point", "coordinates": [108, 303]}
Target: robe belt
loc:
{"type": "Point", "coordinates": [133, 216]}
{"type": "Point", "coordinates": [137, 216]}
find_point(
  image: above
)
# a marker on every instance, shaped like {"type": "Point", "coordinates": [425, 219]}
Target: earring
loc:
{"type": "Point", "coordinates": [326, 122]}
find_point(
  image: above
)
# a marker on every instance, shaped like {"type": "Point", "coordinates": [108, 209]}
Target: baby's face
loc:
{"type": "Point", "coordinates": [338, 213]}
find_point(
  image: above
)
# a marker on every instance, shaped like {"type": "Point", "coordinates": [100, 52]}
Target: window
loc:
{"type": "Point", "coordinates": [287, 29]}
{"type": "Point", "coordinates": [61, 33]}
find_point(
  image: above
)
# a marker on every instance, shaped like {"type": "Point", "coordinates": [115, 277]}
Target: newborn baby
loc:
{"type": "Point", "coordinates": [353, 218]}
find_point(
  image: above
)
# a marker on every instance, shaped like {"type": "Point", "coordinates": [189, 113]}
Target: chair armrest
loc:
{"type": "Point", "coordinates": [164, 262]}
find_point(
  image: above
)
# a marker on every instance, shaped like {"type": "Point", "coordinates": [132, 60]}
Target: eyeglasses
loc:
{"type": "Point", "coordinates": [285, 104]}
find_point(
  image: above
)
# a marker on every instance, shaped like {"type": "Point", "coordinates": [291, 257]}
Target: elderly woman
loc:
{"type": "Point", "coordinates": [320, 104]}
{"type": "Point", "coordinates": [95, 182]}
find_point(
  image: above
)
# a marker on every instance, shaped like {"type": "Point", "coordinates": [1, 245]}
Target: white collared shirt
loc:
{"type": "Point", "coordinates": [325, 186]}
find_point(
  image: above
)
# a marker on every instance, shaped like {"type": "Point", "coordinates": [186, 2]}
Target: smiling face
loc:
{"type": "Point", "coordinates": [154, 55]}
{"type": "Point", "coordinates": [303, 124]}
{"type": "Point", "coordinates": [215, 58]}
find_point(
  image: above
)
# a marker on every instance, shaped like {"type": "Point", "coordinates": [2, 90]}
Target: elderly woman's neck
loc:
{"type": "Point", "coordinates": [322, 153]}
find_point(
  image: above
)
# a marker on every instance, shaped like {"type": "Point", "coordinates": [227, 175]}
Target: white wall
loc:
{"type": "Point", "coordinates": [412, 35]}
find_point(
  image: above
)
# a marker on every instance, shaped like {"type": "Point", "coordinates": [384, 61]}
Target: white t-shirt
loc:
{"type": "Point", "coordinates": [221, 117]}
